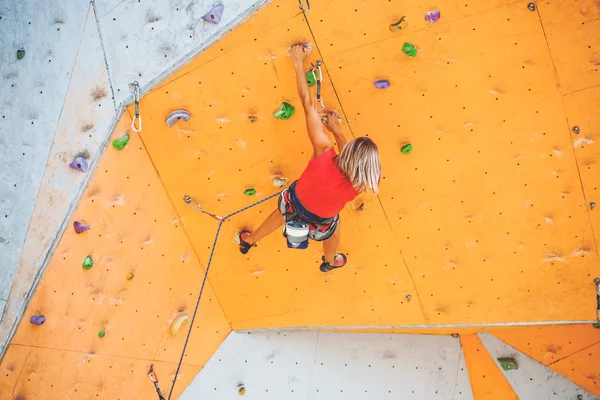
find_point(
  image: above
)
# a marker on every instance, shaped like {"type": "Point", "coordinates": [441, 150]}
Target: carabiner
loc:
{"type": "Point", "coordinates": [135, 88]}
{"type": "Point", "coordinates": [195, 205]}
{"type": "Point", "coordinates": [317, 68]}
{"type": "Point", "coordinates": [307, 5]}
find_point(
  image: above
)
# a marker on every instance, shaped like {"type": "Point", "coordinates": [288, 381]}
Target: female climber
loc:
{"type": "Point", "coordinates": [329, 181]}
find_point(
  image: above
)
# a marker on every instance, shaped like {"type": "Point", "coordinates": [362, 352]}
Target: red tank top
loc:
{"type": "Point", "coordinates": [322, 188]}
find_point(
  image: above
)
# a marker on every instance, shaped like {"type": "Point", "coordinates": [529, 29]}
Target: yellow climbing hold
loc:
{"type": "Point", "coordinates": [179, 320]}
{"type": "Point", "coordinates": [129, 276]}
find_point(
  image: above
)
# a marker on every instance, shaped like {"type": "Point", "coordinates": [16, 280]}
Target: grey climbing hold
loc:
{"type": "Point", "coordinates": [576, 130]}
{"type": "Point", "coordinates": [79, 163]}
{"type": "Point", "coordinates": [408, 297]}
{"type": "Point", "coordinates": [214, 15]}
{"type": "Point", "coordinates": [592, 205]}
{"type": "Point", "coordinates": [177, 115]}
{"type": "Point", "coordinates": [531, 6]}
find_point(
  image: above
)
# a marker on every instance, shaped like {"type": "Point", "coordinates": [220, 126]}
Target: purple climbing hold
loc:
{"type": "Point", "coordinates": [433, 16]}
{"type": "Point", "coordinates": [215, 14]}
{"type": "Point", "coordinates": [80, 227]}
{"type": "Point", "coordinates": [178, 115]}
{"type": "Point", "coordinates": [37, 319]}
{"type": "Point", "coordinates": [381, 84]}
{"type": "Point", "coordinates": [79, 163]}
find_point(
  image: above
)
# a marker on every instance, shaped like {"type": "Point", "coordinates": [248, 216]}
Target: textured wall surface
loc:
{"type": "Point", "coordinates": [61, 100]}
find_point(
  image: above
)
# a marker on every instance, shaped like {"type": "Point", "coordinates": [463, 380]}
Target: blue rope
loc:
{"type": "Point", "coordinates": [212, 252]}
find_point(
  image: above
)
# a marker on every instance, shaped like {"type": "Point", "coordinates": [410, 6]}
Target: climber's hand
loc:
{"type": "Point", "coordinates": [331, 120]}
{"type": "Point", "coordinates": [298, 52]}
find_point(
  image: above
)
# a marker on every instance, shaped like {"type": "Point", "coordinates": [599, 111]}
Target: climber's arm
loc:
{"type": "Point", "coordinates": [318, 138]}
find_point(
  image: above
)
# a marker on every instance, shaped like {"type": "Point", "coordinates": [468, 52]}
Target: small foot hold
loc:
{"type": "Point", "coordinates": [20, 53]}
{"type": "Point", "coordinates": [409, 50]}
{"type": "Point", "coordinates": [88, 263]}
{"type": "Point", "coordinates": [406, 149]}
{"type": "Point", "coordinates": [382, 84]}
{"type": "Point", "coordinates": [241, 241]}
{"type": "Point", "coordinates": [102, 333]}
{"type": "Point", "coordinates": [285, 111]}
{"type": "Point", "coordinates": [79, 163]}
{"type": "Point", "coordinates": [176, 116]}
{"type": "Point", "coordinates": [120, 144]}
{"type": "Point", "coordinates": [432, 16]}
{"type": "Point", "coordinates": [398, 26]}
{"type": "Point", "coordinates": [508, 364]}
{"type": "Point", "coordinates": [531, 6]}
{"type": "Point", "coordinates": [214, 15]}
{"type": "Point", "coordinates": [250, 192]}
{"type": "Point", "coordinates": [338, 262]}
{"type": "Point", "coordinates": [280, 182]}
{"type": "Point", "coordinates": [37, 319]}
{"type": "Point", "coordinates": [241, 389]}
{"type": "Point", "coordinates": [80, 227]}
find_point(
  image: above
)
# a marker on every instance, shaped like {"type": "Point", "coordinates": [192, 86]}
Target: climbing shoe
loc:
{"type": "Point", "coordinates": [244, 246]}
{"type": "Point", "coordinates": [338, 262]}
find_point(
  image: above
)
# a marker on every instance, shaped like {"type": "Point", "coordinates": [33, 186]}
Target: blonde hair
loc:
{"type": "Point", "coordinates": [359, 161]}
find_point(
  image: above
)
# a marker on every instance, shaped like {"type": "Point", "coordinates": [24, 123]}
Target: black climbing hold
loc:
{"type": "Point", "coordinates": [20, 53]}
{"type": "Point", "coordinates": [214, 15]}
{"type": "Point", "coordinates": [575, 130]}
{"type": "Point", "coordinates": [531, 6]}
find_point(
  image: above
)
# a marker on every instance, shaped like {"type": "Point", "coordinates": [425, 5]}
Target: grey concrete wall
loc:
{"type": "Point", "coordinates": [61, 100]}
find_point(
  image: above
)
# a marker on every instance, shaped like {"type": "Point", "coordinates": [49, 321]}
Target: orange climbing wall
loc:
{"type": "Point", "coordinates": [487, 220]}
{"type": "Point", "coordinates": [133, 229]}
{"type": "Point", "coordinates": [487, 381]}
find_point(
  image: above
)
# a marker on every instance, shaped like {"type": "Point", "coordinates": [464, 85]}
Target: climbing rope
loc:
{"type": "Point", "coordinates": [318, 76]}
{"type": "Point", "coordinates": [212, 252]}
{"type": "Point", "coordinates": [135, 89]}
{"type": "Point", "coordinates": [307, 6]}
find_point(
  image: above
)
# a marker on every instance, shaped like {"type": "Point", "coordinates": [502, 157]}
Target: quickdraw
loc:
{"type": "Point", "coordinates": [307, 6]}
{"type": "Point", "coordinates": [154, 379]}
{"type": "Point", "coordinates": [195, 205]}
{"type": "Point", "coordinates": [318, 77]}
{"type": "Point", "coordinates": [597, 283]}
{"type": "Point", "coordinates": [135, 88]}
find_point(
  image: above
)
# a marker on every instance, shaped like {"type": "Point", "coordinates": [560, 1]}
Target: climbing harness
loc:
{"type": "Point", "coordinates": [193, 204]}
{"type": "Point", "coordinates": [154, 379]}
{"type": "Point", "coordinates": [212, 252]}
{"type": "Point", "coordinates": [135, 88]}
{"type": "Point", "coordinates": [319, 229]}
{"type": "Point", "coordinates": [307, 6]}
{"type": "Point", "coordinates": [318, 77]}
{"type": "Point", "coordinates": [597, 283]}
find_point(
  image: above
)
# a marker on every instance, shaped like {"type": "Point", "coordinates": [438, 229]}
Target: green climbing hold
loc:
{"type": "Point", "coordinates": [101, 334]}
{"type": "Point", "coordinates": [508, 364]}
{"type": "Point", "coordinates": [250, 192]}
{"type": "Point", "coordinates": [406, 149]}
{"type": "Point", "coordinates": [20, 54]}
{"type": "Point", "coordinates": [409, 50]}
{"type": "Point", "coordinates": [88, 263]}
{"type": "Point", "coordinates": [285, 111]}
{"type": "Point", "coordinates": [120, 144]}
{"type": "Point", "coordinates": [596, 325]}
{"type": "Point", "coordinates": [312, 77]}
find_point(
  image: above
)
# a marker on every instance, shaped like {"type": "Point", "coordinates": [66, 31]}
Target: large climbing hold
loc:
{"type": "Point", "coordinates": [120, 144]}
{"type": "Point", "coordinates": [80, 227]}
{"type": "Point", "coordinates": [37, 319]}
{"type": "Point", "coordinates": [409, 49]}
{"type": "Point", "coordinates": [176, 116]}
{"type": "Point", "coordinates": [88, 263]}
{"type": "Point", "coordinates": [285, 111]}
{"type": "Point", "coordinates": [399, 25]}
{"type": "Point", "coordinates": [508, 364]}
{"type": "Point", "coordinates": [179, 320]}
{"type": "Point", "coordinates": [433, 16]}
{"type": "Point", "coordinates": [79, 163]}
{"type": "Point", "coordinates": [214, 15]}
